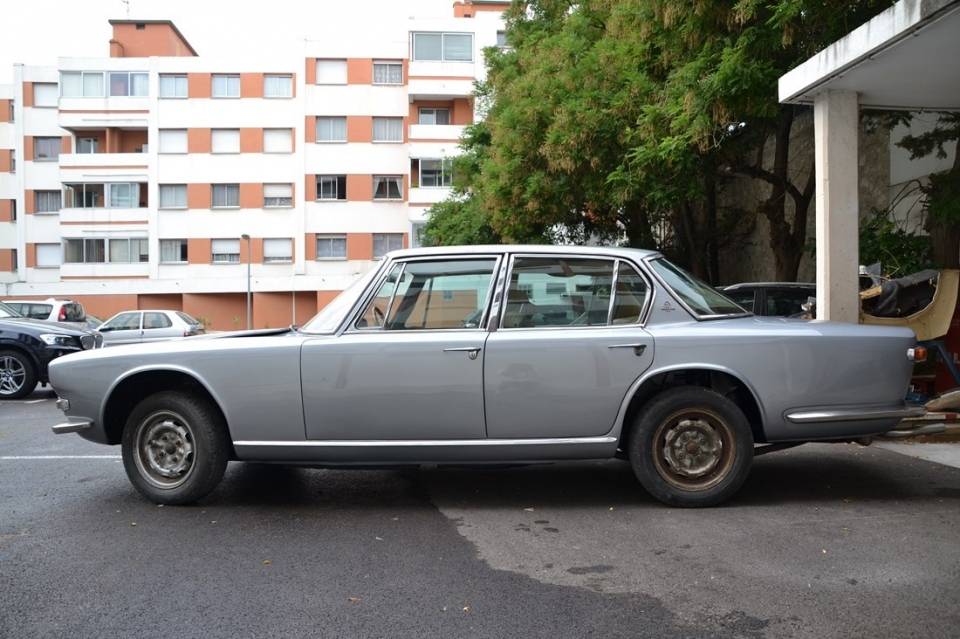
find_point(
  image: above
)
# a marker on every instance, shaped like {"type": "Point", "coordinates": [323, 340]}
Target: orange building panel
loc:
{"type": "Point", "coordinates": [251, 85]}
{"type": "Point", "coordinates": [199, 85]}
{"type": "Point", "coordinates": [199, 141]}
{"type": "Point", "coordinates": [251, 196]}
{"type": "Point", "coordinates": [360, 246]}
{"type": "Point", "coordinates": [359, 129]}
{"type": "Point", "coordinates": [251, 140]}
{"type": "Point", "coordinates": [359, 188]}
{"type": "Point", "coordinates": [199, 197]}
{"type": "Point", "coordinates": [360, 71]}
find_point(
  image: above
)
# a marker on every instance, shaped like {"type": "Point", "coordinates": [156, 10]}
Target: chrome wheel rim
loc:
{"type": "Point", "coordinates": [13, 374]}
{"type": "Point", "coordinates": [165, 449]}
{"type": "Point", "coordinates": [693, 449]}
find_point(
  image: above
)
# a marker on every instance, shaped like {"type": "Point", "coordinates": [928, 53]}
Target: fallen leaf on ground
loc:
{"type": "Point", "coordinates": [353, 599]}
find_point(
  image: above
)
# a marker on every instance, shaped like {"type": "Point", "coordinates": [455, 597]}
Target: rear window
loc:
{"type": "Point", "coordinates": [72, 312]}
{"type": "Point", "coordinates": [35, 311]}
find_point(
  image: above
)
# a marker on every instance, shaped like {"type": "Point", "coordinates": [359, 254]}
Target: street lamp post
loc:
{"type": "Point", "coordinates": [249, 257]}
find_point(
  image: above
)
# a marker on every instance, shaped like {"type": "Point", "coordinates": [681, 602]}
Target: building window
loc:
{"type": "Point", "coordinates": [277, 250]}
{"type": "Point", "coordinates": [387, 187]}
{"type": "Point", "coordinates": [128, 84]}
{"type": "Point", "coordinates": [433, 116]}
{"type": "Point", "coordinates": [128, 250]}
{"type": "Point", "coordinates": [225, 251]}
{"type": "Point", "coordinates": [225, 86]}
{"type": "Point", "coordinates": [124, 195]}
{"type": "Point", "coordinates": [13, 160]}
{"type": "Point", "coordinates": [332, 247]}
{"type": "Point", "coordinates": [277, 195]}
{"type": "Point", "coordinates": [436, 172]}
{"type": "Point", "coordinates": [225, 141]}
{"type": "Point", "coordinates": [388, 129]}
{"type": "Point", "coordinates": [278, 140]}
{"type": "Point", "coordinates": [225, 196]}
{"type": "Point", "coordinates": [443, 47]}
{"type": "Point", "coordinates": [278, 86]}
{"type": "Point", "coordinates": [383, 243]}
{"type": "Point", "coordinates": [415, 229]}
{"type": "Point", "coordinates": [13, 210]}
{"type": "Point", "coordinates": [331, 71]}
{"type": "Point", "coordinates": [502, 40]}
{"type": "Point", "coordinates": [85, 251]}
{"type": "Point", "coordinates": [173, 196]}
{"type": "Point", "coordinates": [173, 251]}
{"type": "Point", "coordinates": [44, 95]}
{"type": "Point", "coordinates": [173, 141]}
{"type": "Point", "coordinates": [46, 149]}
{"type": "Point", "coordinates": [84, 196]}
{"type": "Point", "coordinates": [13, 106]}
{"type": "Point", "coordinates": [388, 73]}
{"type": "Point", "coordinates": [88, 145]}
{"type": "Point", "coordinates": [48, 255]}
{"type": "Point", "coordinates": [82, 84]}
{"type": "Point", "coordinates": [332, 129]}
{"type": "Point", "coordinates": [46, 201]}
{"type": "Point", "coordinates": [331, 187]}
{"type": "Point", "coordinates": [173, 86]}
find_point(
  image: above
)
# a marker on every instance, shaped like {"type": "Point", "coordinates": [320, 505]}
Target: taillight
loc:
{"type": "Point", "coordinates": [62, 317]}
{"type": "Point", "coordinates": [917, 354]}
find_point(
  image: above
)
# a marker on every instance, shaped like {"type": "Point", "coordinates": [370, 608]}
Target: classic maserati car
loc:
{"type": "Point", "coordinates": [495, 355]}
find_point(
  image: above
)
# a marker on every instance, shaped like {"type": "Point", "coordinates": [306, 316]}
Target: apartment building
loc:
{"type": "Point", "coordinates": [156, 177]}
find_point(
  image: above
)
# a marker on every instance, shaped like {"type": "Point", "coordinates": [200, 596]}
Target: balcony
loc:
{"type": "Point", "coordinates": [427, 88]}
{"type": "Point", "coordinates": [84, 167]}
{"type": "Point", "coordinates": [435, 132]}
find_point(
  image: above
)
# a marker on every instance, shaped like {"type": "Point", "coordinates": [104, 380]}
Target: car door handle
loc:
{"type": "Point", "coordinates": [471, 351]}
{"type": "Point", "coordinates": [637, 348]}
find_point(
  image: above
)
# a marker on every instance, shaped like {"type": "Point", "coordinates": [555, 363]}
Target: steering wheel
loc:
{"type": "Point", "coordinates": [378, 315]}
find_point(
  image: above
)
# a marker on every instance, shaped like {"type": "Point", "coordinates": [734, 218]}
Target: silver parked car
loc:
{"type": "Point", "coordinates": [131, 327]}
{"type": "Point", "coordinates": [576, 353]}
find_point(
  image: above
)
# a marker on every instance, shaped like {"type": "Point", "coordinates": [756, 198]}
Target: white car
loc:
{"type": "Point", "coordinates": [51, 310]}
{"type": "Point", "coordinates": [132, 327]}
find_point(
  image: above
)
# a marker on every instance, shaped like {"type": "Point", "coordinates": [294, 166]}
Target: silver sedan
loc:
{"type": "Point", "coordinates": [491, 355]}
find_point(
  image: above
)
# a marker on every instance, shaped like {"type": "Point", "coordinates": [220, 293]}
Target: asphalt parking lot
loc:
{"type": "Point", "coordinates": [822, 541]}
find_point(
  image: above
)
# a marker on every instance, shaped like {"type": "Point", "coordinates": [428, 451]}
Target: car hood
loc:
{"type": "Point", "coordinates": [43, 326]}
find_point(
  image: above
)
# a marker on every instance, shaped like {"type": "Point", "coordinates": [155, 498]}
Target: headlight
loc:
{"type": "Point", "coordinates": [59, 340]}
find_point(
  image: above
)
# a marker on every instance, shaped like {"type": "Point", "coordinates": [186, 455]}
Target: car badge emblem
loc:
{"type": "Point", "coordinates": [667, 307]}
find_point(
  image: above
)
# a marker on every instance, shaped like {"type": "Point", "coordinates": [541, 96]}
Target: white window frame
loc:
{"type": "Point", "coordinates": [396, 180]}
{"type": "Point", "coordinates": [277, 85]}
{"type": "Point", "coordinates": [419, 54]}
{"type": "Point", "coordinates": [335, 181]}
{"type": "Point", "coordinates": [334, 243]}
{"type": "Point", "coordinates": [50, 154]}
{"type": "Point", "coordinates": [172, 141]}
{"type": "Point", "coordinates": [387, 130]}
{"type": "Point", "coordinates": [228, 193]}
{"type": "Point", "coordinates": [88, 249]}
{"type": "Point", "coordinates": [122, 195]}
{"type": "Point", "coordinates": [52, 201]}
{"type": "Point", "coordinates": [327, 124]}
{"type": "Point", "coordinates": [387, 72]}
{"type": "Point", "coordinates": [173, 196]}
{"type": "Point", "coordinates": [277, 250]}
{"type": "Point", "coordinates": [276, 196]}
{"type": "Point", "coordinates": [123, 250]}
{"type": "Point", "coordinates": [92, 84]}
{"type": "Point", "coordinates": [278, 140]}
{"type": "Point", "coordinates": [443, 175]}
{"type": "Point", "coordinates": [45, 94]}
{"type": "Point", "coordinates": [225, 86]}
{"type": "Point", "coordinates": [173, 86]}
{"type": "Point", "coordinates": [433, 112]}
{"type": "Point", "coordinates": [225, 141]}
{"type": "Point", "coordinates": [136, 84]}
{"type": "Point", "coordinates": [177, 248]}
{"type": "Point", "coordinates": [383, 243]}
{"type": "Point", "coordinates": [225, 251]}
{"type": "Point", "coordinates": [331, 71]}
{"type": "Point", "coordinates": [49, 255]}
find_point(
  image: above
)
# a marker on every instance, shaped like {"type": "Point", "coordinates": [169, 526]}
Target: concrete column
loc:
{"type": "Point", "coordinates": [836, 130]}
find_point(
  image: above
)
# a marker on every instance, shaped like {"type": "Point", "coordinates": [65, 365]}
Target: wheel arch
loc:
{"type": "Point", "coordinates": [20, 348]}
{"type": "Point", "coordinates": [719, 380]}
{"type": "Point", "coordinates": [134, 388]}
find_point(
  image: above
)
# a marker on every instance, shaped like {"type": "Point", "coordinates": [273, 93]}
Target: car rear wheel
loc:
{"type": "Point", "coordinates": [18, 375]}
{"type": "Point", "coordinates": [691, 447]}
{"type": "Point", "coordinates": [175, 448]}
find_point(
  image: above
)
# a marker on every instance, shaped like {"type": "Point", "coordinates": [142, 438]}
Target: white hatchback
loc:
{"type": "Point", "coordinates": [132, 327]}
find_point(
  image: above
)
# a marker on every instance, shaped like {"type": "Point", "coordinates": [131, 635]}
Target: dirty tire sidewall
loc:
{"type": "Point", "coordinates": [175, 447]}
{"type": "Point", "coordinates": [19, 375]}
{"type": "Point", "coordinates": [691, 410]}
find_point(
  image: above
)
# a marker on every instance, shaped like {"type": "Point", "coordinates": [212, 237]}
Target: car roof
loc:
{"type": "Point", "coordinates": [524, 248]}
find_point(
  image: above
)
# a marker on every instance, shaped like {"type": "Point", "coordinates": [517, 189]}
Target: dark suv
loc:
{"type": "Point", "coordinates": [27, 347]}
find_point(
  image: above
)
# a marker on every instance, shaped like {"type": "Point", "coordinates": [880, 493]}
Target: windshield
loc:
{"type": "Point", "coordinates": [704, 300]}
{"type": "Point", "coordinates": [328, 319]}
{"type": "Point", "coordinates": [6, 311]}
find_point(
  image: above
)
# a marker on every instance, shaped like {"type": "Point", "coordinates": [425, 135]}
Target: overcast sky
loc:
{"type": "Point", "coordinates": [38, 32]}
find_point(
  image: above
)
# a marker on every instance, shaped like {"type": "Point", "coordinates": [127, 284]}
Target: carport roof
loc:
{"type": "Point", "coordinates": [905, 58]}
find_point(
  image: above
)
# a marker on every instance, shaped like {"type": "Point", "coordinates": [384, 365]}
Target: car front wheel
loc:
{"type": "Point", "coordinates": [18, 375]}
{"type": "Point", "coordinates": [691, 447]}
{"type": "Point", "coordinates": [175, 448]}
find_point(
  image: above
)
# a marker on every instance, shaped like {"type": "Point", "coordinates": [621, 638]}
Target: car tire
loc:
{"type": "Point", "coordinates": [18, 375]}
{"type": "Point", "coordinates": [691, 447]}
{"type": "Point", "coordinates": [175, 448]}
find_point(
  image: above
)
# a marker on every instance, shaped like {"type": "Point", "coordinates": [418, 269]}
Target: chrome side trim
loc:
{"type": "Point", "coordinates": [325, 443]}
{"type": "Point", "coordinates": [855, 414]}
{"type": "Point", "coordinates": [72, 427]}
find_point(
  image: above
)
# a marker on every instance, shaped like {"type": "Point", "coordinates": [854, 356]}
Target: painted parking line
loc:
{"type": "Point", "coordinates": [22, 457]}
